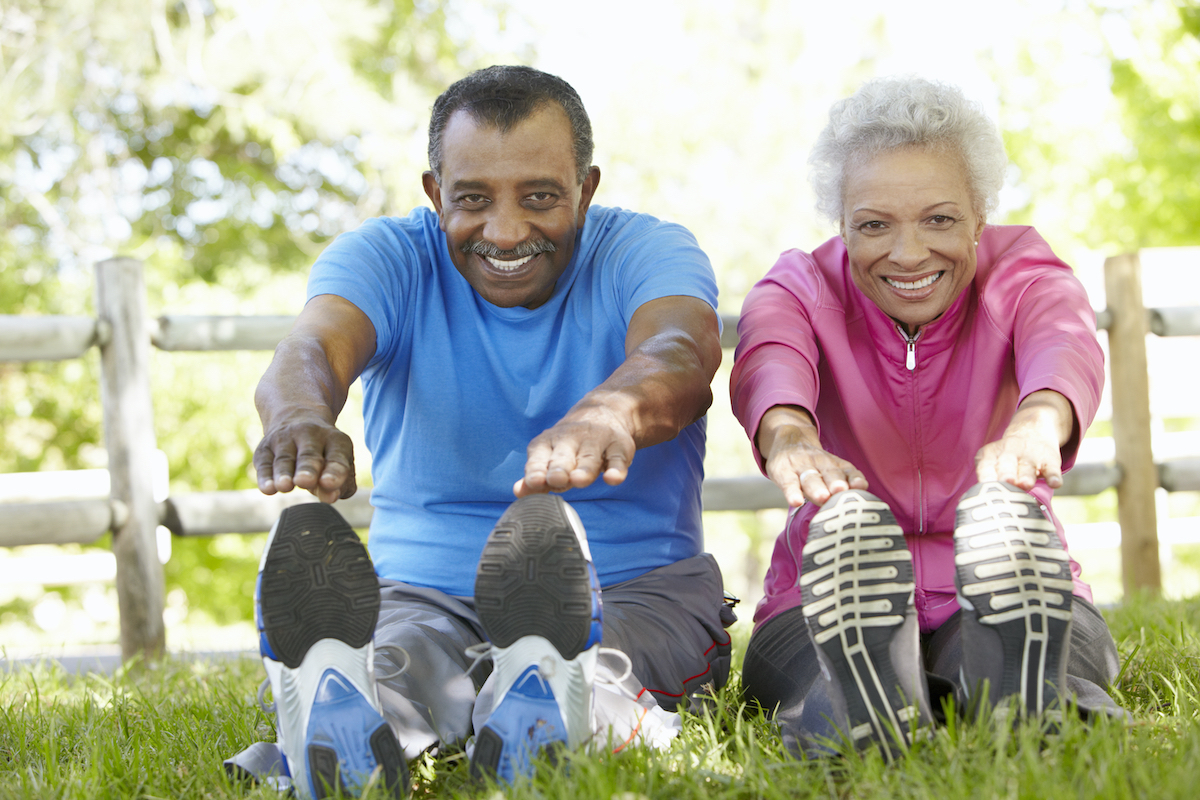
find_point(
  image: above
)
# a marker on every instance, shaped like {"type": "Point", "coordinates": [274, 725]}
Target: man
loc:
{"type": "Point", "coordinates": [514, 340]}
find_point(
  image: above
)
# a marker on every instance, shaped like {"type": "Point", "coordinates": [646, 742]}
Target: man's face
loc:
{"type": "Point", "coordinates": [510, 205]}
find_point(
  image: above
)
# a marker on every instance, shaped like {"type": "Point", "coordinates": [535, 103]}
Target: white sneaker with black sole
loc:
{"type": "Point", "coordinates": [316, 605]}
{"type": "Point", "coordinates": [857, 588]}
{"type": "Point", "coordinates": [538, 600]}
{"type": "Point", "coordinates": [1014, 585]}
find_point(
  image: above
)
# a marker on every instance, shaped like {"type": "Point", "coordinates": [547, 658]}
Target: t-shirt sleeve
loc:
{"type": "Point", "coordinates": [648, 259]}
{"type": "Point", "coordinates": [373, 267]}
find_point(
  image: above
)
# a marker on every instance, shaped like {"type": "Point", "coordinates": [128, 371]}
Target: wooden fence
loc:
{"type": "Point", "coordinates": [132, 514]}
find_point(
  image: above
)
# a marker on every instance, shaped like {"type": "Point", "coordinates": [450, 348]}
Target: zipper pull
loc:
{"type": "Point", "coordinates": [910, 358]}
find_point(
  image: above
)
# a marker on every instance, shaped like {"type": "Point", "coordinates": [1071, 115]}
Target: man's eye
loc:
{"type": "Point", "coordinates": [472, 199]}
{"type": "Point", "coordinates": [541, 197]}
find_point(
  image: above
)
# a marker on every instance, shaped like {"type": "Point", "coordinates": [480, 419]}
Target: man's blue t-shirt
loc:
{"type": "Point", "coordinates": [458, 388]}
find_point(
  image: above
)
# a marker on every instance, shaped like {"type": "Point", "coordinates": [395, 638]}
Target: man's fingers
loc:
{"type": "Point", "coordinates": [588, 464]}
{"type": "Point", "coordinates": [337, 482]}
{"type": "Point", "coordinates": [283, 467]}
{"type": "Point", "coordinates": [616, 467]}
{"type": "Point", "coordinates": [310, 463]}
{"type": "Point", "coordinates": [264, 467]}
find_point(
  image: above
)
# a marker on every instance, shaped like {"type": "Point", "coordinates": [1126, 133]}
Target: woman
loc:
{"type": "Point", "coordinates": [915, 355]}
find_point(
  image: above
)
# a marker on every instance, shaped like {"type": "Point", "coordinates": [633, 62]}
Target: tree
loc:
{"type": "Point", "coordinates": [1102, 121]}
{"type": "Point", "coordinates": [223, 142]}
{"type": "Point", "coordinates": [1155, 198]}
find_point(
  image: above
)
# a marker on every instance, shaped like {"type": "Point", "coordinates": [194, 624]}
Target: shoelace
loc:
{"type": "Point", "coordinates": [395, 653]}
{"type": "Point", "coordinates": [390, 651]}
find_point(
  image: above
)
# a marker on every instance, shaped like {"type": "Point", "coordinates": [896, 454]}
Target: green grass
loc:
{"type": "Point", "coordinates": [162, 732]}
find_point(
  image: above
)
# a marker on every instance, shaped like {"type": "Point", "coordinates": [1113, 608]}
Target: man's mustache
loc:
{"type": "Point", "coordinates": [527, 248]}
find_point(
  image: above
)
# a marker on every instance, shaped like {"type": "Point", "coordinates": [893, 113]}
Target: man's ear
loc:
{"type": "Point", "coordinates": [434, 192]}
{"type": "Point", "coordinates": [586, 192]}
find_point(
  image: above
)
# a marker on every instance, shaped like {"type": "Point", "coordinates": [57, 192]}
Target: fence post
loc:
{"type": "Point", "coordinates": [129, 438]}
{"type": "Point", "coordinates": [1140, 568]}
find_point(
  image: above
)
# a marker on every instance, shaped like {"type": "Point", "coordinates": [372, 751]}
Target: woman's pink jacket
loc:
{"type": "Point", "coordinates": [810, 338]}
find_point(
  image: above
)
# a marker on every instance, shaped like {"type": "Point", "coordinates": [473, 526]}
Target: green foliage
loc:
{"type": "Point", "coordinates": [163, 732]}
{"type": "Point", "coordinates": [1154, 200]}
{"type": "Point", "coordinates": [1102, 120]}
{"type": "Point", "coordinates": [223, 143]}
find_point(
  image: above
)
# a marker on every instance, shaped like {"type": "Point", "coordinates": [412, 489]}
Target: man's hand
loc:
{"type": "Point", "coordinates": [300, 396]}
{"type": "Point", "coordinates": [1031, 445]}
{"type": "Point", "coordinates": [306, 453]}
{"type": "Point", "coordinates": [590, 441]}
{"type": "Point", "coordinates": [796, 462]}
{"type": "Point", "coordinates": [672, 351]}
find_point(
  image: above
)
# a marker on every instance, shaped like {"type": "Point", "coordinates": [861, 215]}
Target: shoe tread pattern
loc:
{"type": "Point", "coordinates": [533, 578]}
{"type": "Point", "coordinates": [390, 758]}
{"type": "Point", "coordinates": [1013, 569]}
{"type": "Point", "coordinates": [856, 586]}
{"type": "Point", "coordinates": [317, 583]}
{"type": "Point", "coordinates": [485, 761]}
{"type": "Point", "coordinates": [323, 772]}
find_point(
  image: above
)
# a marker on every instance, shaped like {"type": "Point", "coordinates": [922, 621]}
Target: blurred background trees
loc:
{"type": "Point", "coordinates": [1114, 170]}
{"type": "Point", "coordinates": [225, 142]}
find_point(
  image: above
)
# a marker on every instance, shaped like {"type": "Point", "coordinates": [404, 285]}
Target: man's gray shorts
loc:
{"type": "Point", "coordinates": [670, 622]}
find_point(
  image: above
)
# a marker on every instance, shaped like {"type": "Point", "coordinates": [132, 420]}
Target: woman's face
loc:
{"type": "Point", "coordinates": [910, 229]}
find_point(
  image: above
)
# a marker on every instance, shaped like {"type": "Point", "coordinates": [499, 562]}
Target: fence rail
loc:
{"type": "Point", "coordinates": [57, 338]}
{"type": "Point", "coordinates": [123, 335]}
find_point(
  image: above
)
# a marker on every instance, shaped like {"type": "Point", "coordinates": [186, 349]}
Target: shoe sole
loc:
{"type": "Point", "coordinates": [1014, 571]}
{"type": "Point", "coordinates": [526, 725]}
{"type": "Point", "coordinates": [316, 582]}
{"type": "Point", "coordinates": [856, 585]}
{"type": "Point", "coordinates": [535, 579]}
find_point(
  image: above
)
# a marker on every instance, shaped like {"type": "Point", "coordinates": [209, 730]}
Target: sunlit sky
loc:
{"type": "Point", "coordinates": [657, 75]}
{"type": "Point", "coordinates": [625, 47]}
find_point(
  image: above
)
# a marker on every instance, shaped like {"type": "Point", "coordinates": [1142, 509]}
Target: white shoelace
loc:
{"type": "Point", "coordinates": [397, 653]}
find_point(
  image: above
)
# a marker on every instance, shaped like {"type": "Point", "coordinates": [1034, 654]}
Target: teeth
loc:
{"type": "Point", "coordinates": [921, 284]}
{"type": "Point", "coordinates": [507, 266]}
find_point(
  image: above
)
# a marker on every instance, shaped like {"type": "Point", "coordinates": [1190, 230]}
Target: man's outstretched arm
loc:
{"type": "Point", "coordinates": [302, 393]}
{"type": "Point", "coordinates": [672, 351]}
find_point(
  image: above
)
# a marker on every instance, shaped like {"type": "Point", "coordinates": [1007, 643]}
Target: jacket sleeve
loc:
{"type": "Point", "coordinates": [776, 358]}
{"type": "Point", "coordinates": [1053, 330]}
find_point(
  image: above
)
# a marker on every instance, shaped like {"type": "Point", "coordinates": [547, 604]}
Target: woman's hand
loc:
{"type": "Point", "coordinates": [787, 438]}
{"type": "Point", "coordinates": [1031, 446]}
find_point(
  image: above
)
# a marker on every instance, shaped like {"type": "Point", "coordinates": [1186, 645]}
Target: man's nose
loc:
{"type": "Point", "coordinates": [507, 226]}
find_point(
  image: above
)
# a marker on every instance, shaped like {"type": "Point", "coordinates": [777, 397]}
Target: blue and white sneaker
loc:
{"type": "Point", "coordinates": [538, 599]}
{"type": "Point", "coordinates": [1014, 585]}
{"type": "Point", "coordinates": [316, 605]}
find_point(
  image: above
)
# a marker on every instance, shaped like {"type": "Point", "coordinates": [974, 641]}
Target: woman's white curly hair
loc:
{"type": "Point", "coordinates": [887, 113]}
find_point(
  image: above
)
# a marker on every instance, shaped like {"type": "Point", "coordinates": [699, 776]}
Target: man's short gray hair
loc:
{"type": "Point", "coordinates": [887, 113]}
